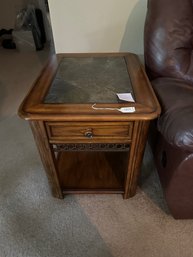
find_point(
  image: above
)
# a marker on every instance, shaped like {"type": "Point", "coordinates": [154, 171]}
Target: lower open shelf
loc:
{"type": "Point", "coordinates": [92, 172]}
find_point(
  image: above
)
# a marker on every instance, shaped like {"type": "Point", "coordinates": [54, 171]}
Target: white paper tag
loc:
{"type": "Point", "coordinates": [125, 97]}
{"type": "Point", "coordinates": [127, 109]}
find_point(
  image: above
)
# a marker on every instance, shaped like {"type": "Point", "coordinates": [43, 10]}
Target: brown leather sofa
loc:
{"type": "Point", "coordinates": [168, 45]}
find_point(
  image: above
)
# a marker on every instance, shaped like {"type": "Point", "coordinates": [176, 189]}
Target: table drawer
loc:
{"type": "Point", "coordinates": [89, 132]}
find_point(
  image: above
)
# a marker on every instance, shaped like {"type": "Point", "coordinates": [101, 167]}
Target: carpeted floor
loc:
{"type": "Point", "coordinates": [34, 224]}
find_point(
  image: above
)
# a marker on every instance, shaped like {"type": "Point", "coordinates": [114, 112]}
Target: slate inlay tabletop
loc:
{"type": "Point", "coordinates": [89, 80]}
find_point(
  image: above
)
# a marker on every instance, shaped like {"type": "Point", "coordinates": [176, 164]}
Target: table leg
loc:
{"type": "Point", "coordinates": [138, 143]}
{"type": "Point", "coordinates": [47, 156]}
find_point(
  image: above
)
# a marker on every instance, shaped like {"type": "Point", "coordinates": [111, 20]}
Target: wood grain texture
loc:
{"type": "Point", "coordinates": [92, 171]}
{"type": "Point", "coordinates": [47, 157]}
{"type": "Point", "coordinates": [71, 132]}
{"type": "Point", "coordinates": [140, 133]}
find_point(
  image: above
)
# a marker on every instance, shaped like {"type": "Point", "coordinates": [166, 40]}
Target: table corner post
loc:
{"type": "Point", "coordinates": [47, 157]}
{"type": "Point", "coordinates": [137, 149]}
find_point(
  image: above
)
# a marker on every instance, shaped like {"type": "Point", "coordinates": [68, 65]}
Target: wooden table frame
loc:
{"type": "Point", "coordinates": [48, 123]}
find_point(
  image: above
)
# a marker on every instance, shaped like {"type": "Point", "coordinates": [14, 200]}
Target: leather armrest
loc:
{"type": "Point", "coordinates": [176, 120]}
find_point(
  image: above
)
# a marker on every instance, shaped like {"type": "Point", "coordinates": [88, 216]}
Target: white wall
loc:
{"type": "Point", "coordinates": [98, 25]}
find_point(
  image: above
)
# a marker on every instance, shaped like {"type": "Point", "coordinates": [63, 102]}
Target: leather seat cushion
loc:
{"type": "Point", "coordinates": [176, 121]}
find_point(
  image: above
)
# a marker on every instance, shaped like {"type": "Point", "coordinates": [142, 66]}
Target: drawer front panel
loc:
{"type": "Point", "coordinates": [89, 132]}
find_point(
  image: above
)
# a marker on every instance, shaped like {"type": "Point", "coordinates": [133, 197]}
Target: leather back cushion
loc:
{"type": "Point", "coordinates": [168, 39]}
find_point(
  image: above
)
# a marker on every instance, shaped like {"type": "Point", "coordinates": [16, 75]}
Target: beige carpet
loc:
{"type": "Point", "coordinates": [17, 72]}
{"type": "Point", "coordinates": [34, 224]}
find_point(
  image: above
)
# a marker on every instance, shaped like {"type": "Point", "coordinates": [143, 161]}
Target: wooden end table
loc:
{"type": "Point", "coordinates": [87, 150]}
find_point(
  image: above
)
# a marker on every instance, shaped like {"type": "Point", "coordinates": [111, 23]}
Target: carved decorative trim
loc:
{"type": "Point", "coordinates": [91, 147]}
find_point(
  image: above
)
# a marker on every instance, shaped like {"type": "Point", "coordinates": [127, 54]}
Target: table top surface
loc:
{"type": "Point", "coordinates": [70, 84]}
{"type": "Point", "coordinates": [89, 80]}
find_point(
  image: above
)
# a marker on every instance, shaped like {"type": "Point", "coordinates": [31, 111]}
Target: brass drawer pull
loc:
{"type": "Point", "coordinates": [88, 134]}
